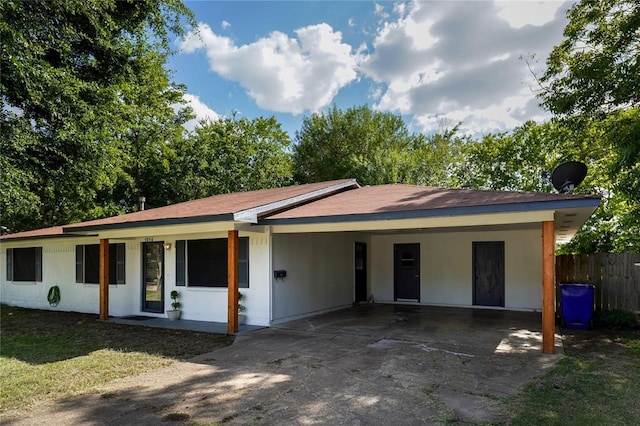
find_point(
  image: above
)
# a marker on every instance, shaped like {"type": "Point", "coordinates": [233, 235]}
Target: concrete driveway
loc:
{"type": "Point", "coordinates": [373, 364]}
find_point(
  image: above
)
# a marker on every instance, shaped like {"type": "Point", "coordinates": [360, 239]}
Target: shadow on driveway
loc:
{"type": "Point", "coordinates": [373, 364]}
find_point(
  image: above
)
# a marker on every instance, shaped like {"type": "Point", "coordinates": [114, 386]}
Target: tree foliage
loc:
{"type": "Point", "coordinates": [68, 70]}
{"type": "Point", "coordinates": [373, 147]}
{"type": "Point", "coordinates": [595, 69]}
{"type": "Point", "coordinates": [231, 155]}
{"type": "Point", "coordinates": [592, 84]}
{"type": "Point", "coordinates": [155, 128]}
{"type": "Point", "coordinates": [593, 79]}
{"type": "Point", "coordinates": [516, 160]}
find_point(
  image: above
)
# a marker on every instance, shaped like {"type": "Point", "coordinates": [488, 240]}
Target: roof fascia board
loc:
{"type": "Point", "coordinates": [421, 223]}
{"type": "Point", "coordinates": [253, 214]}
{"type": "Point", "coordinates": [454, 211]}
{"type": "Point", "coordinates": [158, 232]}
{"type": "Point", "coordinates": [148, 223]}
{"type": "Point", "coordinates": [45, 237]}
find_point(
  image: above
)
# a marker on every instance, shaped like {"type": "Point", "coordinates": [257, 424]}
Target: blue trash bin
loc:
{"type": "Point", "coordinates": [577, 305]}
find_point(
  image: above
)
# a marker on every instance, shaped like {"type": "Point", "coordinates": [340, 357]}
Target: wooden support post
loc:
{"type": "Point", "coordinates": [104, 279]}
{"type": "Point", "coordinates": [232, 282]}
{"type": "Point", "coordinates": [548, 288]}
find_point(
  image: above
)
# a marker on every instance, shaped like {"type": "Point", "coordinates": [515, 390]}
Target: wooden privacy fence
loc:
{"type": "Point", "coordinates": [616, 277]}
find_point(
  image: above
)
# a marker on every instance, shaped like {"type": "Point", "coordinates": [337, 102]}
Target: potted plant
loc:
{"type": "Point", "coordinates": [242, 318]}
{"type": "Point", "coordinates": [174, 314]}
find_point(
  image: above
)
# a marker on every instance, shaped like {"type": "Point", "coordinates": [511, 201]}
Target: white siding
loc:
{"type": "Point", "coordinates": [205, 304]}
{"type": "Point", "coordinates": [446, 267]}
{"type": "Point", "coordinates": [58, 268]}
{"type": "Point", "coordinates": [319, 273]}
{"type": "Point", "coordinates": [210, 304]}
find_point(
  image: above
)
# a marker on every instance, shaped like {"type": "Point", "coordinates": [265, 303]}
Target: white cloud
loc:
{"type": "Point", "coordinates": [527, 12]}
{"type": "Point", "coordinates": [460, 61]}
{"type": "Point", "coordinates": [380, 12]}
{"type": "Point", "coordinates": [437, 61]}
{"type": "Point", "coordinates": [200, 110]}
{"type": "Point", "coordinates": [278, 72]}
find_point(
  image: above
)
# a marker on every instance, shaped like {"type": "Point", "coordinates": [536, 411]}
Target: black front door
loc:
{"type": "Point", "coordinates": [153, 277]}
{"type": "Point", "coordinates": [407, 272]}
{"type": "Point", "coordinates": [361, 272]}
{"type": "Point", "coordinates": [488, 273]}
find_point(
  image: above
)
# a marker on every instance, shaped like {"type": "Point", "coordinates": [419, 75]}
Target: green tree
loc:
{"type": "Point", "coordinates": [15, 178]}
{"type": "Point", "coordinates": [231, 155]}
{"type": "Point", "coordinates": [67, 68]}
{"type": "Point", "coordinates": [594, 75]}
{"type": "Point", "coordinates": [155, 127]}
{"type": "Point", "coordinates": [372, 147]}
{"type": "Point", "coordinates": [592, 83]}
{"type": "Point", "coordinates": [438, 158]}
{"type": "Point", "coordinates": [516, 160]}
{"type": "Point", "coordinates": [595, 69]}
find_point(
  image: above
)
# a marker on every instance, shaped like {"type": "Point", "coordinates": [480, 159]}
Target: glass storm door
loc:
{"type": "Point", "coordinates": [153, 277]}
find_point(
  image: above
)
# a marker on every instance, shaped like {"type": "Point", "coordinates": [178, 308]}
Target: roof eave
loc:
{"type": "Point", "coordinates": [453, 211]}
{"type": "Point", "coordinates": [148, 223]}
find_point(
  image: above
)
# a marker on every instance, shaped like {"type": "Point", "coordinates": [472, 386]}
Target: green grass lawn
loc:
{"type": "Point", "coordinates": [596, 383]}
{"type": "Point", "coordinates": [46, 355]}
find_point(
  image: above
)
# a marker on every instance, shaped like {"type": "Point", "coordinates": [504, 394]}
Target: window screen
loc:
{"type": "Point", "coordinates": [24, 264]}
{"type": "Point", "coordinates": [207, 263]}
{"type": "Point", "coordinates": [88, 263]}
{"type": "Point", "coordinates": [203, 263]}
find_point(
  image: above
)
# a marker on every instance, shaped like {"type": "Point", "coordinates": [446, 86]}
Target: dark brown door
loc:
{"type": "Point", "coordinates": [407, 272]}
{"type": "Point", "coordinates": [360, 272]}
{"type": "Point", "coordinates": [488, 273]}
{"type": "Point", "coordinates": [153, 277]}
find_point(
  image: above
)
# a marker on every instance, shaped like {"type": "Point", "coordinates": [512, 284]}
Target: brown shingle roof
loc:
{"type": "Point", "coordinates": [396, 198]}
{"type": "Point", "coordinates": [216, 205]}
{"type": "Point", "coordinates": [371, 200]}
{"type": "Point", "coordinates": [54, 231]}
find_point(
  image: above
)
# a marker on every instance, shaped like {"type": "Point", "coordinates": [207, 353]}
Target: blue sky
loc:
{"type": "Point", "coordinates": [436, 63]}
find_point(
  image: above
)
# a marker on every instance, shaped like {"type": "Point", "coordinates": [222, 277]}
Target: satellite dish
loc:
{"type": "Point", "coordinates": [568, 175]}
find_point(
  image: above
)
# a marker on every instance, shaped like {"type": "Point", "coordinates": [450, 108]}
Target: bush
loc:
{"type": "Point", "coordinates": [616, 318]}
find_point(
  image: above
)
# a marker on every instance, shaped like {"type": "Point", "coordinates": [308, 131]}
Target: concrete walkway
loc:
{"type": "Point", "coordinates": [374, 364]}
{"type": "Point", "coordinates": [182, 324]}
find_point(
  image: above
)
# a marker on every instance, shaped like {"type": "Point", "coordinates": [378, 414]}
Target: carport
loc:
{"type": "Point", "coordinates": [424, 246]}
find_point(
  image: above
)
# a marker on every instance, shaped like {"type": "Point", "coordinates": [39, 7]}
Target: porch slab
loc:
{"type": "Point", "coordinates": [181, 324]}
